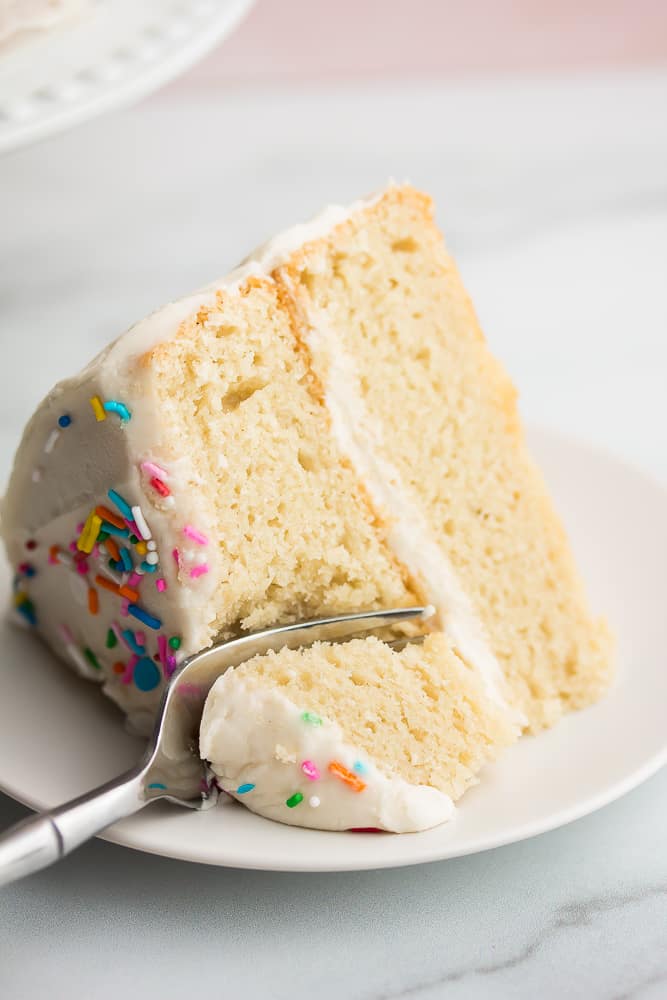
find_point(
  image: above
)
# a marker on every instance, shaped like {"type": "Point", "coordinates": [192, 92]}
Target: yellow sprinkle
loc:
{"type": "Point", "coordinates": [98, 409]}
{"type": "Point", "coordinates": [91, 530]}
{"type": "Point", "coordinates": [141, 548]}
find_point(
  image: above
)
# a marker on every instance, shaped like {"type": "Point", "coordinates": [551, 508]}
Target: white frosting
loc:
{"type": "Point", "coordinates": [23, 15]}
{"type": "Point", "coordinates": [254, 735]}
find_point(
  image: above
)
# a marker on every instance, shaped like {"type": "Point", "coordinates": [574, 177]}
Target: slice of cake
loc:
{"type": "Point", "coordinates": [353, 735]}
{"type": "Point", "coordinates": [322, 431]}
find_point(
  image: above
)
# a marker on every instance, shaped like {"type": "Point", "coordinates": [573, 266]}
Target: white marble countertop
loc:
{"type": "Point", "coordinates": [553, 196]}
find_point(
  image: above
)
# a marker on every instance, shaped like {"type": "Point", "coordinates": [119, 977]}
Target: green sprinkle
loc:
{"type": "Point", "coordinates": [92, 659]}
{"type": "Point", "coordinates": [103, 535]}
{"type": "Point", "coordinates": [313, 719]}
{"type": "Point", "coordinates": [175, 642]}
{"type": "Point", "coordinates": [294, 800]}
{"type": "Point", "coordinates": [112, 639]}
{"type": "Point", "coordinates": [111, 563]}
{"type": "Point", "coordinates": [134, 539]}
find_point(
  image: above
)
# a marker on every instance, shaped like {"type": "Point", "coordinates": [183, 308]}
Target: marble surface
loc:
{"type": "Point", "coordinates": [553, 196]}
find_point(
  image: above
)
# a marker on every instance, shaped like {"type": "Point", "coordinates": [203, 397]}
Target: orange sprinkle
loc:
{"type": "Point", "coordinates": [93, 601]}
{"type": "Point", "coordinates": [112, 549]}
{"type": "Point", "coordinates": [348, 777]}
{"type": "Point", "coordinates": [53, 554]}
{"type": "Point", "coordinates": [132, 595]}
{"type": "Point", "coordinates": [119, 668]}
{"type": "Point", "coordinates": [108, 515]}
{"type": "Point", "coordinates": [102, 581]}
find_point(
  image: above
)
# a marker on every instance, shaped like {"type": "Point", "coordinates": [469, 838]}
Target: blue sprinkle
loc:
{"type": "Point", "coordinates": [126, 560]}
{"type": "Point", "coordinates": [123, 507]}
{"type": "Point", "coordinates": [128, 635]}
{"type": "Point", "coordinates": [146, 674]}
{"type": "Point", "coordinates": [157, 784]}
{"type": "Point", "coordinates": [28, 611]}
{"type": "Point", "coordinates": [65, 420]}
{"type": "Point", "coordinates": [359, 767]}
{"type": "Point", "coordinates": [113, 406]}
{"type": "Point", "coordinates": [144, 617]}
{"type": "Point", "coordinates": [148, 567]}
{"type": "Point", "coordinates": [242, 789]}
{"type": "Point", "coordinates": [29, 570]}
{"type": "Point", "coordinates": [113, 530]}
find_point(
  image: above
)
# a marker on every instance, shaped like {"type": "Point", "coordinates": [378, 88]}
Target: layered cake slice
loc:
{"type": "Point", "coordinates": [322, 431]}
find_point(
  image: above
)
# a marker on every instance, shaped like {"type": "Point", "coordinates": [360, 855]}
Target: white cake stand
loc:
{"type": "Point", "coordinates": [115, 52]}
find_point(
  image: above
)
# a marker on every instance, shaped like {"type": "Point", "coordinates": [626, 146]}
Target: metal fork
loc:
{"type": "Point", "coordinates": [171, 767]}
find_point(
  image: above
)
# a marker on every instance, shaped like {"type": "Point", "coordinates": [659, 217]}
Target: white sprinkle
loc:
{"type": "Point", "coordinates": [314, 801]}
{"type": "Point", "coordinates": [152, 558]}
{"type": "Point", "coordinates": [152, 545]}
{"type": "Point", "coordinates": [140, 522]}
{"type": "Point", "coordinates": [51, 441]}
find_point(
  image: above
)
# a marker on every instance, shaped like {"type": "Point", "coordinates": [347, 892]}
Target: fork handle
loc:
{"type": "Point", "coordinates": [38, 841]}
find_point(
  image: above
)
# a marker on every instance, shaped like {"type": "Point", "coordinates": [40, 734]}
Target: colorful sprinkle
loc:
{"type": "Point", "coordinates": [311, 770]}
{"type": "Point", "coordinates": [31, 545]}
{"type": "Point", "coordinates": [175, 642]}
{"type": "Point", "coordinates": [171, 665]}
{"type": "Point", "coordinates": [244, 789]}
{"type": "Point", "coordinates": [157, 784]}
{"type": "Point", "coordinates": [359, 767]}
{"type": "Point", "coordinates": [113, 406]}
{"type": "Point", "coordinates": [176, 557]}
{"type": "Point", "coordinates": [128, 673]}
{"type": "Point", "coordinates": [314, 801]}
{"type": "Point", "coordinates": [98, 409]}
{"type": "Point", "coordinates": [195, 534]}
{"type": "Point", "coordinates": [148, 567]}
{"type": "Point", "coordinates": [161, 585]}
{"type": "Point", "coordinates": [311, 718]}
{"type": "Point", "coordinates": [93, 601]}
{"type": "Point", "coordinates": [88, 536]}
{"type": "Point", "coordinates": [131, 642]}
{"type": "Point", "coordinates": [144, 617]}
{"type": "Point", "coordinates": [151, 545]}
{"type": "Point", "coordinates": [126, 560]}
{"type": "Point", "coordinates": [53, 555]}
{"type": "Point", "coordinates": [65, 420]}
{"type": "Point", "coordinates": [27, 569]}
{"type": "Point", "coordinates": [199, 570]}
{"type": "Point", "coordinates": [109, 516]}
{"type": "Point", "coordinates": [92, 659]}
{"type": "Point", "coordinates": [26, 608]}
{"type": "Point", "coordinates": [146, 674]}
{"type": "Point", "coordinates": [51, 441]}
{"type": "Point", "coordinates": [140, 521]}
{"type": "Point", "coordinates": [154, 470]}
{"type": "Point", "coordinates": [129, 593]}
{"type": "Point", "coordinates": [124, 607]}
{"type": "Point", "coordinates": [162, 648]}
{"type": "Point", "coordinates": [122, 505]}
{"type": "Point", "coordinates": [365, 829]}
{"type": "Point", "coordinates": [111, 529]}
{"type": "Point", "coordinates": [119, 668]}
{"type": "Point", "coordinates": [141, 547]}
{"type": "Point", "coordinates": [134, 579]}
{"type": "Point", "coordinates": [112, 639]}
{"type": "Point", "coordinates": [160, 487]}
{"type": "Point", "coordinates": [348, 777]}
{"type": "Point", "coordinates": [106, 584]}
{"type": "Point", "coordinates": [294, 800]}
{"type": "Point", "coordinates": [152, 559]}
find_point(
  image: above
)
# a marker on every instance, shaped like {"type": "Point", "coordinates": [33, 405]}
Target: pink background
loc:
{"type": "Point", "coordinates": [292, 40]}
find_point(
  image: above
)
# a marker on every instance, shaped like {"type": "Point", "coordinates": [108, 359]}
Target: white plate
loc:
{"type": "Point", "coordinates": [60, 737]}
{"type": "Point", "coordinates": [113, 53]}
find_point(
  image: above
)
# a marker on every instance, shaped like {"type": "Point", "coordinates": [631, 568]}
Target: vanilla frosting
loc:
{"type": "Point", "coordinates": [276, 757]}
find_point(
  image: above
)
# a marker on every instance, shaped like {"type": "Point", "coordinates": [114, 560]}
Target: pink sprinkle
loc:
{"type": "Point", "coordinates": [125, 607]}
{"type": "Point", "coordinates": [154, 470]}
{"type": "Point", "coordinates": [161, 584]}
{"type": "Point", "coordinates": [67, 634]}
{"type": "Point", "coordinates": [82, 567]}
{"type": "Point", "coordinates": [195, 535]}
{"type": "Point", "coordinates": [53, 558]}
{"type": "Point", "coordinates": [96, 551]}
{"type": "Point", "coordinates": [72, 547]}
{"type": "Point", "coordinates": [171, 666]}
{"type": "Point", "coordinates": [134, 579]}
{"type": "Point", "coordinates": [140, 638]}
{"type": "Point", "coordinates": [129, 669]}
{"type": "Point", "coordinates": [199, 570]}
{"type": "Point", "coordinates": [24, 567]}
{"type": "Point", "coordinates": [177, 557]}
{"type": "Point", "coordinates": [311, 770]}
{"type": "Point", "coordinates": [133, 527]}
{"type": "Point", "coordinates": [162, 648]}
{"type": "Point", "coordinates": [79, 528]}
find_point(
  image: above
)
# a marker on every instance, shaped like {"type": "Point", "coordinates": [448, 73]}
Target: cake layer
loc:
{"type": "Point", "coordinates": [339, 736]}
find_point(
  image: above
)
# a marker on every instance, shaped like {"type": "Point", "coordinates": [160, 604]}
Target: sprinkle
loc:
{"type": "Point", "coordinates": [311, 770]}
{"type": "Point", "coordinates": [314, 801]}
{"type": "Point", "coordinates": [93, 601]}
{"type": "Point", "coordinates": [107, 584]}
{"type": "Point", "coordinates": [88, 536]}
{"type": "Point", "coordinates": [171, 665]}
{"type": "Point", "coordinates": [112, 639]}
{"type": "Point", "coordinates": [160, 487]}
{"type": "Point", "coordinates": [243, 789]}
{"type": "Point", "coordinates": [65, 420]}
{"type": "Point", "coordinates": [119, 668]}
{"type": "Point", "coordinates": [195, 535]}
{"type": "Point", "coordinates": [79, 527]}
{"type": "Point", "coordinates": [66, 633]}
{"type": "Point", "coordinates": [161, 585]}
{"type": "Point", "coordinates": [36, 474]}
{"type": "Point", "coordinates": [122, 505]}
{"type": "Point", "coordinates": [126, 560]}
{"type": "Point", "coordinates": [175, 642]}
{"type": "Point", "coordinates": [310, 717]}
{"type": "Point", "coordinates": [82, 567]}
{"type": "Point", "coordinates": [148, 567]}
{"type": "Point", "coordinates": [162, 648]}
{"type": "Point", "coordinates": [130, 641]}
{"type": "Point", "coordinates": [125, 608]}
{"type": "Point", "coordinates": [146, 674]}
{"type": "Point", "coordinates": [72, 546]}
{"type": "Point", "coordinates": [128, 673]}
{"type": "Point", "coordinates": [92, 659]}
{"type": "Point", "coordinates": [26, 608]}
{"type": "Point", "coordinates": [199, 570]}
{"type": "Point", "coordinates": [109, 516]}
{"type": "Point", "coordinates": [27, 569]}
{"type": "Point", "coordinates": [347, 777]}
{"type": "Point", "coordinates": [359, 767]}
{"type": "Point", "coordinates": [152, 559]}
{"type": "Point", "coordinates": [294, 800]}
{"type": "Point", "coordinates": [53, 555]}
{"type": "Point", "coordinates": [154, 470]}
{"type": "Point", "coordinates": [140, 637]}
{"type": "Point", "coordinates": [128, 592]}
{"type": "Point", "coordinates": [113, 406]}
{"type": "Point", "coordinates": [112, 548]}
{"type": "Point", "coordinates": [151, 545]}
{"type": "Point", "coordinates": [144, 617]}
{"type": "Point", "coordinates": [365, 829]}
{"type": "Point", "coordinates": [157, 784]}
{"type": "Point", "coordinates": [134, 579]}
{"type": "Point", "coordinates": [177, 557]}
{"type": "Point", "coordinates": [103, 535]}
{"type": "Point", "coordinates": [98, 409]}
{"type": "Point", "coordinates": [140, 522]}
{"type": "Point", "coordinates": [51, 441]}
{"type": "Point", "coordinates": [111, 529]}
{"type": "Point", "coordinates": [141, 547]}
